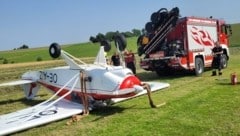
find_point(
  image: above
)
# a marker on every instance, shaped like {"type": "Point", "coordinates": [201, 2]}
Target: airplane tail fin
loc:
{"type": "Point", "coordinates": [30, 90]}
{"type": "Point", "coordinates": [101, 59]}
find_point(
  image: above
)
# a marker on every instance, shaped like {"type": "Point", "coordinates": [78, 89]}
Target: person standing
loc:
{"type": "Point", "coordinates": [115, 59]}
{"type": "Point", "coordinates": [217, 52]}
{"type": "Point", "coordinates": [130, 60]}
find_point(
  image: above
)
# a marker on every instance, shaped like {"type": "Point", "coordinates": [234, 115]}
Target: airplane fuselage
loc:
{"type": "Point", "coordinates": [102, 82]}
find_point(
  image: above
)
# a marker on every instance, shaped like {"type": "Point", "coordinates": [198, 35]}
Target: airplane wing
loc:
{"type": "Point", "coordinates": [18, 82]}
{"type": "Point", "coordinates": [155, 86]}
{"type": "Point", "coordinates": [39, 115]}
{"type": "Point", "coordinates": [31, 117]}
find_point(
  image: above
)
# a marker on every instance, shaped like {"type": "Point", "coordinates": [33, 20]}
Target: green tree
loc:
{"type": "Point", "coordinates": [128, 34]}
{"type": "Point", "coordinates": [24, 46]}
{"type": "Point", "coordinates": [100, 37]}
{"type": "Point", "coordinates": [136, 32]}
{"type": "Point", "coordinates": [110, 35]}
{"type": "Point", "coordinates": [93, 39]}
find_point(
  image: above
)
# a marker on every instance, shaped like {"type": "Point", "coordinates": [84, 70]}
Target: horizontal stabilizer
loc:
{"type": "Point", "coordinates": [155, 86]}
{"type": "Point", "coordinates": [18, 82]}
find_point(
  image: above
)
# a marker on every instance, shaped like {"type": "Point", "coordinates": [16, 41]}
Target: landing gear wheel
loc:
{"type": "Point", "coordinates": [199, 66]}
{"type": "Point", "coordinates": [106, 44]}
{"type": "Point", "coordinates": [55, 50]}
{"type": "Point", "coordinates": [120, 41]}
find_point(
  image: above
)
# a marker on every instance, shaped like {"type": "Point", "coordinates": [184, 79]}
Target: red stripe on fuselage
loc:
{"type": "Point", "coordinates": [95, 96]}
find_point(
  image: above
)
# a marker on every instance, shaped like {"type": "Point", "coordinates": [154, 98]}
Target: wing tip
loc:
{"type": "Point", "coordinates": [18, 82]}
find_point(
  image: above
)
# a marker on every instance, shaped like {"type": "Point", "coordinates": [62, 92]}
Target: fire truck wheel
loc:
{"type": "Point", "coordinates": [199, 66]}
{"type": "Point", "coordinates": [224, 61]}
{"type": "Point", "coordinates": [55, 50]}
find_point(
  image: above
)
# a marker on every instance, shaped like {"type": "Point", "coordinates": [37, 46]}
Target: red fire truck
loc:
{"type": "Point", "coordinates": [173, 43]}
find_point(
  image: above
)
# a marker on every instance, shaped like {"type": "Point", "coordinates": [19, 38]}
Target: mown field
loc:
{"type": "Point", "coordinates": [234, 39]}
{"type": "Point", "coordinates": [194, 106]}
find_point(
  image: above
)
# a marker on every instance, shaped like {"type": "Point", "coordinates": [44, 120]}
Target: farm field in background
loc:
{"type": "Point", "coordinates": [31, 55]}
{"type": "Point", "coordinates": [234, 39]}
{"type": "Point", "coordinates": [194, 105]}
{"type": "Point", "coordinates": [78, 50]}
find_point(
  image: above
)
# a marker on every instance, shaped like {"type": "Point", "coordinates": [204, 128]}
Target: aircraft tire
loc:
{"type": "Point", "coordinates": [55, 50]}
{"type": "Point", "coordinates": [120, 41]}
{"type": "Point", "coordinates": [106, 44]}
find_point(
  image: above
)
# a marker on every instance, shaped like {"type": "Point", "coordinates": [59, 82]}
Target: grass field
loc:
{"type": "Point", "coordinates": [78, 50]}
{"type": "Point", "coordinates": [194, 106]}
{"type": "Point", "coordinates": [202, 105]}
{"type": "Point", "coordinates": [235, 38]}
{"type": "Point", "coordinates": [31, 55]}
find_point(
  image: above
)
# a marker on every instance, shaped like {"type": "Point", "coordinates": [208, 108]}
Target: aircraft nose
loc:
{"type": "Point", "coordinates": [130, 82]}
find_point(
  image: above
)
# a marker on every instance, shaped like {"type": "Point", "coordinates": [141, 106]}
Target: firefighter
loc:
{"type": "Point", "coordinates": [130, 60]}
{"type": "Point", "coordinates": [217, 52]}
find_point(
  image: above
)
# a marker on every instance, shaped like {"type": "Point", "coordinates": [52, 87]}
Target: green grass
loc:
{"type": "Point", "coordinates": [78, 50]}
{"type": "Point", "coordinates": [30, 55]}
{"type": "Point", "coordinates": [194, 106]}
{"type": "Point", "coordinates": [234, 39]}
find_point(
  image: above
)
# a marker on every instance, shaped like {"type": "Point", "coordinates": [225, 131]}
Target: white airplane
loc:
{"type": "Point", "coordinates": [78, 88]}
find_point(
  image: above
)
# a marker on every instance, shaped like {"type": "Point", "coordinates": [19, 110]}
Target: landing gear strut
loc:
{"type": "Point", "coordinates": [148, 88]}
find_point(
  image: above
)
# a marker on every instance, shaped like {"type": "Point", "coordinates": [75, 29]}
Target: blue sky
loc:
{"type": "Point", "coordinates": [38, 23]}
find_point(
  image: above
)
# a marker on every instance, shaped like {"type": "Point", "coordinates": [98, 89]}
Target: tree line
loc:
{"type": "Point", "coordinates": [100, 37]}
{"type": "Point", "coordinates": [24, 46]}
{"type": "Point", "coordinates": [110, 35]}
